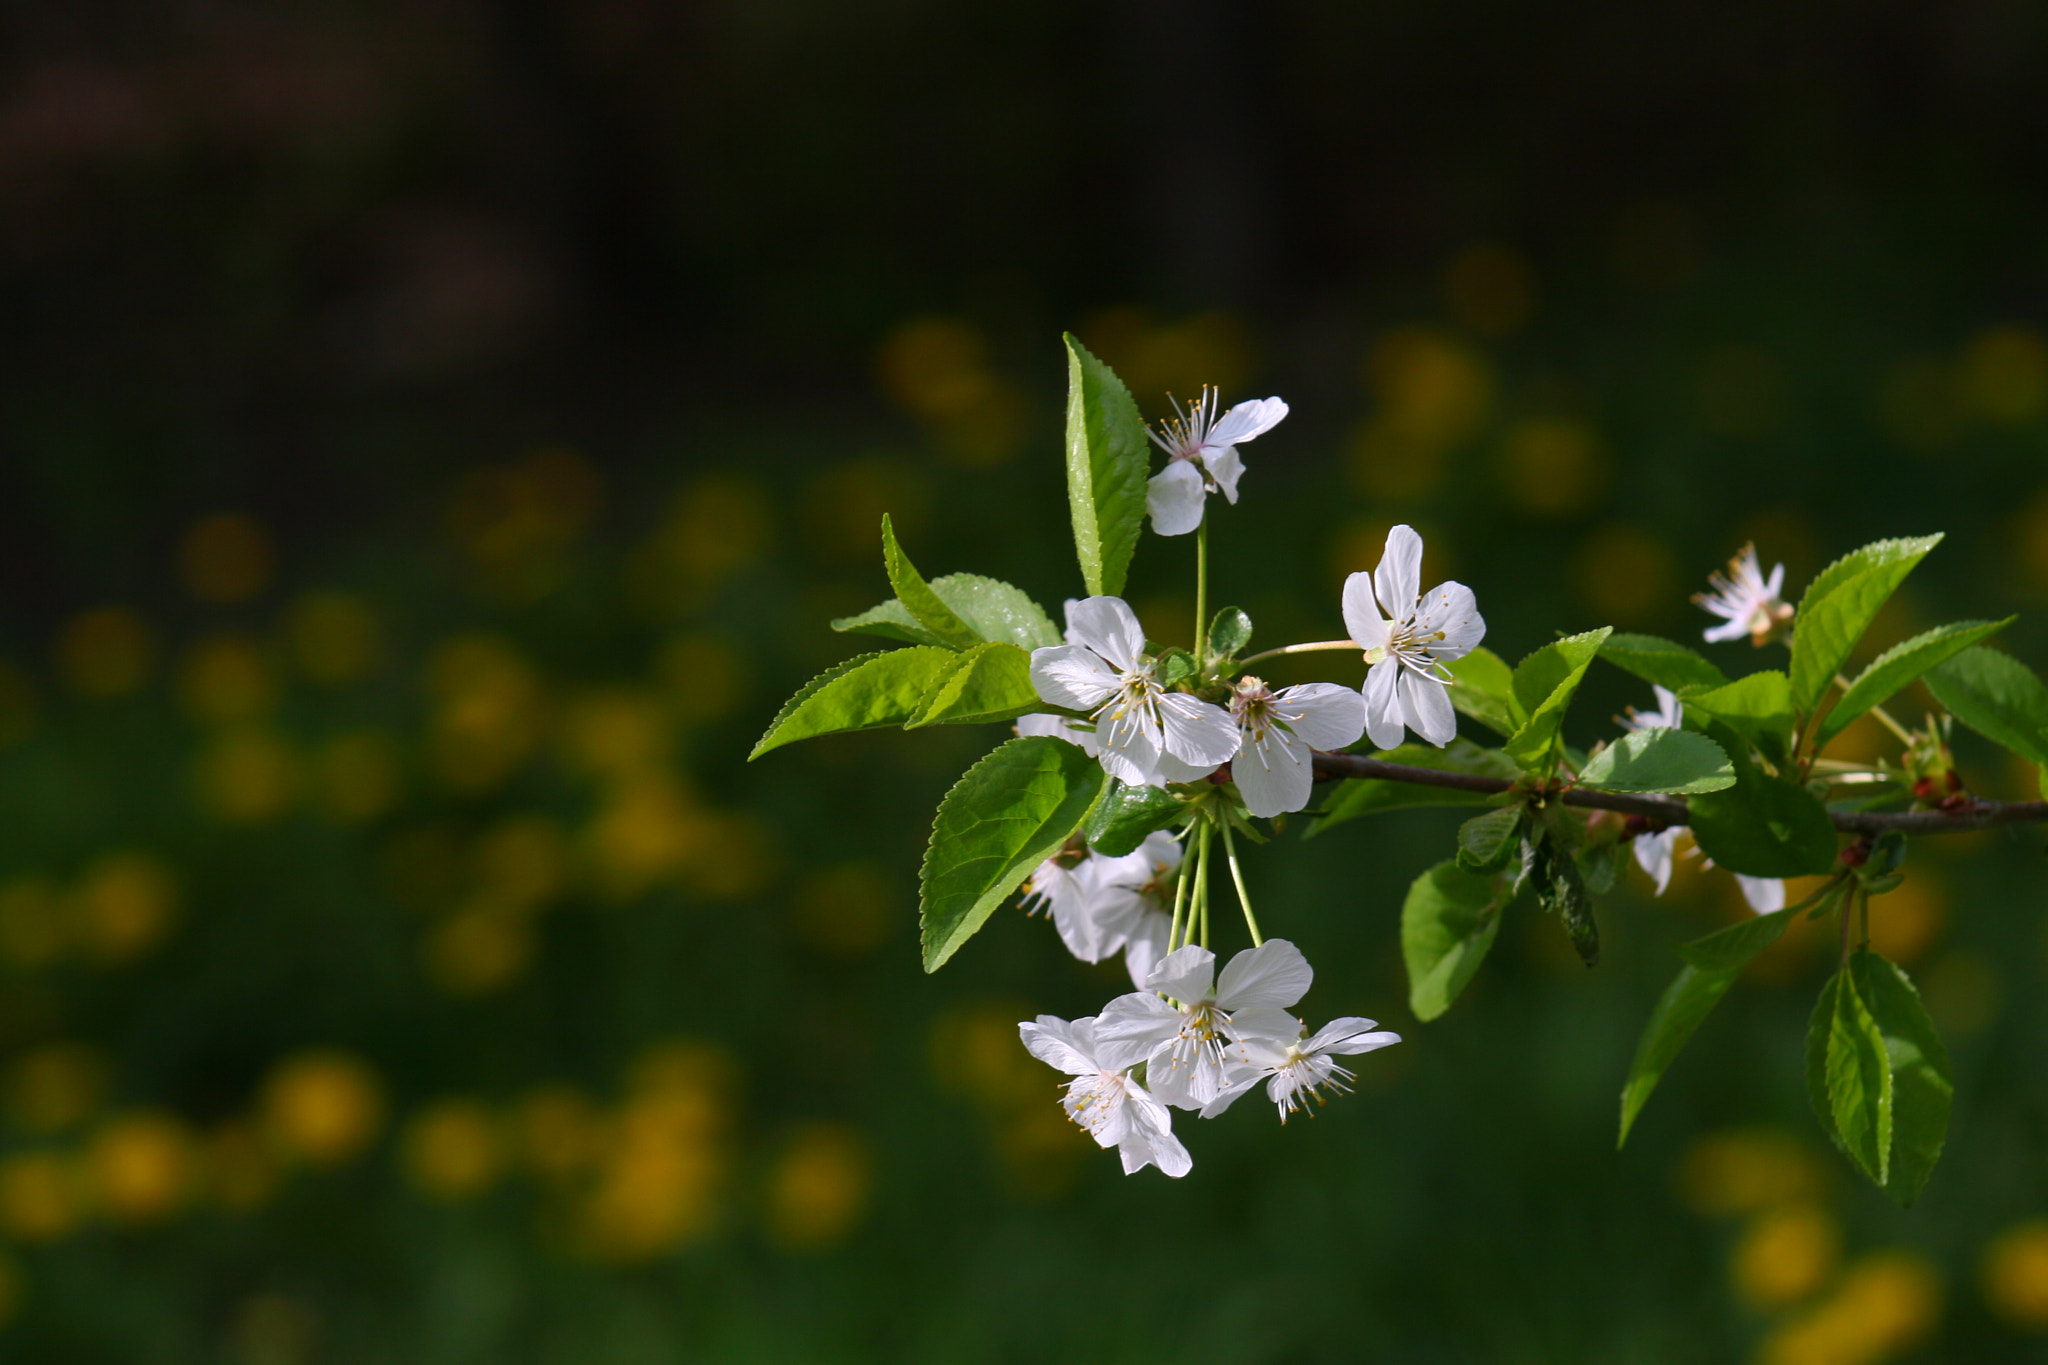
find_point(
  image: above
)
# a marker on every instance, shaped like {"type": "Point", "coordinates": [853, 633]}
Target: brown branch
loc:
{"type": "Point", "coordinates": [1671, 810]}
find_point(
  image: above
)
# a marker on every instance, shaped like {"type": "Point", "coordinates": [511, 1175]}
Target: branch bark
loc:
{"type": "Point", "coordinates": [1672, 810]}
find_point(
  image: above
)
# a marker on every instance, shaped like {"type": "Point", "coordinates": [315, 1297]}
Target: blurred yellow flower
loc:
{"type": "Point", "coordinates": [618, 733]}
{"type": "Point", "coordinates": [1626, 574]}
{"type": "Point", "coordinates": [453, 1150]}
{"type": "Point", "coordinates": [2015, 1275]}
{"type": "Point", "coordinates": [706, 676]}
{"type": "Point", "coordinates": [1432, 394]}
{"type": "Point", "coordinates": [560, 1132]}
{"type": "Point", "coordinates": [818, 1187]}
{"type": "Point", "coordinates": [2004, 375]}
{"type": "Point", "coordinates": [106, 652]}
{"type": "Point", "coordinates": [1156, 358]}
{"type": "Point", "coordinates": [645, 830]}
{"type": "Point", "coordinates": [661, 1174]}
{"type": "Point", "coordinates": [358, 775]}
{"type": "Point", "coordinates": [56, 1086]}
{"type": "Point", "coordinates": [483, 947]}
{"type": "Point", "coordinates": [1886, 1303]}
{"type": "Point", "coordinates": [1785, 1255]}
{"type": "Point", "coordinates": [336, 637]}
{"type": "Point", "coordinates": [1553, 466]}
{"type": "Point", "coordinates": [1748, 1170]}
{"type": "Point", "coordinates": [247, 776]}
{"type": "Point", "coordinates": [522, 861]}
{"type": "Point", "coordinates": [43, 1196]}
{"type": "Point", "coordinates": [225, 558]}
{"type": "Point", "coordinates": [936, 369]}
{"type": "Point", "coordinates": [489, 714]}
{"type": "Point", "coordinates": [144, 1166]}
{"type": "Point", "coordinates": [323, 1107]}
{"type": "Point", "coordinates": [1906, 921]}
{"type": "Point", "coordinates": [226, 678]}
{"type": "Point", "coordinates": [125, 904]}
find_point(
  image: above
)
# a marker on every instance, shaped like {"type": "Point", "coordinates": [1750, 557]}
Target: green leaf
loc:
{"type": "Point", "coordinates": [1483, 687]}
{"type": "Point", "coordinates": [891, 620]}
{"type": "Point", "coordinates": [1543, 687]}
{"type": "Point", "coordinates": [993, 609]}
{"type": "Point", "coordinates": [1174, 665]}
{"type": "Point", "coordinates": [1997, 696]}
{"type": "Point", "coordinates": [1229, 633]}
{"type": "Point", "coordinates": [1448, 922]}
{"type": "Point", "coordinates": [1124, 815]}
{"type": "Point", "coordinates": [1848, 1075]}
{"type": "Point", "coordinates": [1922, 1088]}
{"type": "Point", "coordinates": [1486, 842]}
{"type": "Point", "coordinates": [864, 693]}
{"type": "Point", "coordinates": [1006, 815]}
{"type": "Point", "coordinates": [1560, 889]}
{"type": "Point", "coordinates": [1757, 707]}
{"type": "Point", "coordinates": [1663, 662]}
{"type": "Point", "coordinates": [1106, 465]}
{"type": "Point", "coordinates": [1900, 665]}
{"type": "Point", "coordinates": [1370, 795]}
{"type": "Point", "coordinates": [926, 607]}
{"type": "Point", "coordinates": [1839, 606]}
{"type": "Point", "coordinates": [1712, 964]}
{"type": "Point", "coordinates": [1600, 866]}
{"type": "Point", "coordinates": [987, 682]}
{"type": "Point", "coordinates": [1762, 826]}
{"type": "Point", "coordinates": [1659, 761]}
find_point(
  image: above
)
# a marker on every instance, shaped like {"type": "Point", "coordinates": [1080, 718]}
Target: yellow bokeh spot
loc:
{"type": "Point", "coordinates": [1748, 1170]}
{"type": "Point", "coordinates": [1490, 289]}
{"type": "Point", "coordinates": [1357, 548]}
{"type": "Point", "coordinates": [846, 909]}
{"type": "Point", "coordinates": [560, 1132]}
{"type": "Point", "coordinates": [481, 948]}
{"type": "Point", "coordinates": [1887, 1302]}
{"type": "Point", "coordinates": [226, 678]}
{"type": "Point", "coordinates": [721, 523]}
{"type": "Point", "coordinates": [33, 928]}
{"type": "Point", "coordinates": [975, 1051]}
{"type": "Point", "coordinates": [489, 713]}
{"type": "Point", "coordinates": [453, 1150]}
{"type": "Point", "coordinates": [144, 1166]}
{"type": "Point", "coordinates": [1156, 358]}
{"type": "Point", "coordinates": [1906, 921]}
{"type": "Point", "coordinates": [125, 904]}
{"type": "Point", "coordinates": [737, 859]}
{"type": "Point", "coordinates": [106, 652]}
{"type": "Point", "coordinates": [18, 705]}
{"type": "Point", "coordinates": [1432, 394]}
{"type": "Point", "coordinates": [56, 1086]}
{"type": "Point", "coordinates": [662, 1171]}
{"type": "Point", "coordinates": [43, 1197]}
{"type": "Point", "coordinates": [358, 776]}
{"type": "Point", "coordinates": [618, 732]}
{"type": "Point", "coordinates": [1742, 391]}
{"type": "Point", "coordinates": [225, 558]}
{"type": "Point", "coordinates": [1625, 574]}
{"type": "Point", "coordinates": [1785, 1256]}
{"type": "Point", "coordinates": [241, 1169]}
{"type": "Point", "coordinates": [13, 1288]}
{"type": "Point", "coordinates": [2015, 1275]}
{"type": "Point", "coordinates": [1555, 466]}
{"type": "Point", "coordinates": [336, 637]}
{"type": "Point", "coordinates": [818, 1187]}
{"type": "Point", "coordinates": [706, 676]}
{"type": "Point", "coordinates": [936, 369]}
{"type": "Point", "coordinates": [644, 831]}
{"type": "Point", "coordinates": [522, 861]}
{"type": "Point", "coordinates": [2004, 375]}
{"type": "Point", "coordinates": [324, 1107]}
{"type": "Point", "coordinates": [844, 506]}
{"type": "Point", "coordinates": [247, 776]}
{"type": "Point", "coordinates": [515, 522]}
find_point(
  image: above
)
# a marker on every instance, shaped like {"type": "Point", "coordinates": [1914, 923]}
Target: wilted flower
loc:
{"type": "Point", "coordinates": [1745, 600]}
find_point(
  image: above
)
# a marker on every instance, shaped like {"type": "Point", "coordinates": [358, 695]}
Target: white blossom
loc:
{"type": "Point", "coordinates": [1144, 734]}
{"type": "Point", "coordinates": [1102, 1098]}
{"type": "Point", "coordinates": [1201, 457]}
{"type": "Point", "coordinates": [1189, 1037]}
{"type": "Point", "coordinates": [1745, 600]}
{"type": "Point", "coordinates": [1407, 637]}
{"type": "Point", "coordinates": [1298, 1070]}
{"type": "Point", "coordinates": [1280, 730]}
{"type": "Point", "coordinates": [1058, 727]}
{"type": "Point", "coordinates": [1656, 850]}
{"type": "Point", "coordinates": [1099, 904]}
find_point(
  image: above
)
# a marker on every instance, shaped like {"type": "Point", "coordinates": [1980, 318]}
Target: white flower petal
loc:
{"type": "Point", "coordinates": [1732, 630]}
{"type": "Point", "coordinates": [1382, 694]}
{"type": "Point", "coordinates": [1072, 676]}
{"type": "Point", "coordinates": [1108, 626]}
{"type": "Point", "coordinates": [1362, 614]}
{"type": "Point", "coordinates": [1452, 611]}
{"type": "Point", "coordinates": [1237, 1083]}
{"type": "Point", "coordinates": [1056, 727]}
{"type": "Point", "coordinates": [1174, 497]}
{"type": "Point", "coordinates": [1127, 746]}
{"type": "Point", "coordinates": [1130, 1027]}
{"type": "Point", "coordinates": [1274, 973]}
{"type": "Point", "coordinates": [1185, 973]}
{"type": "Point", "coordinates": [1273, 774]}
{"type": "Point", "coordinates": [1262, 1025]}
{"type": "Point", "coordinates": [1345, 1036]}
{"type": "Point", "coordinates": [1653, 855]}
{"type": "Point", "coordinates": [1146, 945]}
{"type": "Point", "coordinates": [1226, 467]}
{"type": "Point", "coordinates": [1247, 421]}
{"type": "Point", "coordinates": [1398, 579]}
{"type": "Point", "coordinates": [1426, 706]}
{"type": "Point", "coordinates": [1161, 850]}
{"type": "Point", "coordinates": [1197, 731]}
{"type": "Point", "coordinates": [1764, 894]}
{"type": "Point", "coordinates": [1052, 1041]}
{"type": "Point", "coordinates": [1322, 715]}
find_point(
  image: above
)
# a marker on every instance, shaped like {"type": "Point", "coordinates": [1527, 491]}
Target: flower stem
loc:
{"type": "Point", "coordinates": [1180, 891]}
{"type": "Point", "coordinates": [1237, 878]}
{"type": "Point", "coordinates": [1882, 716]}
{"type": "Point", "coordinates": [1312, 647]}
{"type": "Point", "coordinates": [1202, 593]}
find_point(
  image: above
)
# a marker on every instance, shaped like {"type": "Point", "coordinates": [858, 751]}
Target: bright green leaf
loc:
{"type": "Point", "coordinates": [987, 682]}
{"type": "Point", "coordinates": [1370, 795]}
{"type": "Point", "coordinates": [1006, 815]}
{"type": "Point", "coordinates": [1758, 707]}
{"type": "Point", "coordinates": [1922, 1088]}
{"type": "Point", "coordinates": [1106, 466]}
{"type": "Point", "coordinates": [1486, 842]}
{"type": "Point", "coordinates": [1663, 662]}
{"type": "Point", "coordinates": [1839, 606]}
{"type": "Point", "coordinates": [1448, 922]}
{"type": "Point", "coordinates": [1997, 696]}
{"type": "Point", "coordinates": [1855, 1076]}
{"type": "Point", "coordinates": [1900, 665]}
{"type": "Point", "coordinates": [991, 608]}
{"type": "Point", "coordinates": [1124, 815]}
{"type": "Point", "coordinates": [864, 693]}
{"type": "Point", "coordinates": [926, 607]}
{"type": "Point", "coordinates": [1543, 687]}
{"type": "Point", "coordinates": [1659, 760]}
{"type": "Point", "coordinates": [1712, 964]}
{"type": "Point", "coordinates": [1483, 687]}
{"type": "Point", "coordinates": [1229, 632]}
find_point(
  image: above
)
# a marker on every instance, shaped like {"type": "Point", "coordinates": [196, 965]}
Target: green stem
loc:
{"type": "Point", "coordinates": [1882, 716]}
{"type": "Point", "coordinates": [1180, 895]}
{"type": "Point", "coordinates": [1311, 647]}
{"type": "Point", "coordinates": [1202, 593]}
{"type": "Point", "coordinates": [1237, 879]}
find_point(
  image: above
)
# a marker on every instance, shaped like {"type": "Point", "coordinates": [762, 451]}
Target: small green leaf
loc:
{"type": "Point", "coordinates": [1486, 842]}
{"type": "Point", "coordinates": [1448, 922]}
{"type": "Point", "coordinates": [1758, 707]}
{"type": "Point", "coordinates": [1600, 866]}
{"type": "Point", "coordinates": [1543, 687]}
{"type": "Point", "coordinates": [925, 606]}
{"type": "Point", "coordinates": [1659, 760]}
{"type": "Point", "coordinates": [891, 620]}
{"type": "Point", "coordinates": [1922, 1088]}
{"type": "Point", "coordinates": [1106, 466]}
{"type": "Point", "coordinates": [1900, 665]}
{"type": "Point", "coordinates": [1712, 964]}
{"type": "Point", "coordinates": [987, 682]}
{"type": "Point", "coordinates": [1762, 826]}
{"type": "Point", "coordinates": [864, 693]}
{"type": "Point", "coordinates": [1483, 687]}
{"type": "Point", "coordinates": [1006, 815]}
{"type": "Point", "coordinates": [1370, 795]}
{"type": "Point", "coordinates": [1853, 1076]}
{"type": "Point", "coordinates": [1229, 633]}
{"type": "Point", "coordinates": [1124, 815]}
{"type": "Point", "coordinates": [1839, 606]}
{"type": "Point", "coordinates": [1663, 662]}
{"type": "Point", "coordinates": [991, 608]}
{"type": "Point", "coordinates": [1554, 873]}
{"type": "Point", "coordinates": [1997, 696]}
